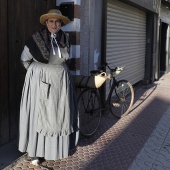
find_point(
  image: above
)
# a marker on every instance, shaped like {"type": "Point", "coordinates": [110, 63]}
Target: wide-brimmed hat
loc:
{"type": "Point", "coordinates": [54, 13]}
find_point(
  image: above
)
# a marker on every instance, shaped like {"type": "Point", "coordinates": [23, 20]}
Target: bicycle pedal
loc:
{"type": "Point", "coordinates": [116, 104]}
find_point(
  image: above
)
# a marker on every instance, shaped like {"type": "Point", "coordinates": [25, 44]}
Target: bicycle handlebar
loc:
{"type": "Point", "coordinates": [103, 66]}
{"type": "Point", "coordinates": [112, 70]}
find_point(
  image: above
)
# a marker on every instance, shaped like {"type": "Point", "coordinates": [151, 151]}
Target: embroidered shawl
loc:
{"type": "Point", "coordinates": [40, 44]}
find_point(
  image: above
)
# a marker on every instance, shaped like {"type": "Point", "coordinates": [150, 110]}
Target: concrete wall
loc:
{"type": "Point", "coordinates": [152, 5]}
{"type": "Point", "coordinates": [165, 14]}
{"type": "Point", "coordinates": [90, 35]}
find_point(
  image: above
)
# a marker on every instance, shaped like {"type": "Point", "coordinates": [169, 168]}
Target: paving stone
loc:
{"type": "Point", "coordinates": [139, 141]}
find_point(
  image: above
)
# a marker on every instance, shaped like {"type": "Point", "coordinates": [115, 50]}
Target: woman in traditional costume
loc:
{"type": "Point", "coordinates": [48, 109]}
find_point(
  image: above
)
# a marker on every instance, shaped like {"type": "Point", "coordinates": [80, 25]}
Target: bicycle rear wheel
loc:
{"type": "Point", "coordinates": [122, 101]}
{"type": "Point", "coordinates": [89, 111]}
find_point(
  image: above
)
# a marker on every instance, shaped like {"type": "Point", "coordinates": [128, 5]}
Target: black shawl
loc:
{"type": "Point", "coordinates": [40, 44]}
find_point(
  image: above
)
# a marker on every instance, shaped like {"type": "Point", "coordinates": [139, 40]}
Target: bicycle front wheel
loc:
{"type": "Point", "coordinates": [122, 100]}
{"type": "Point", "coordinates": [89, 111]}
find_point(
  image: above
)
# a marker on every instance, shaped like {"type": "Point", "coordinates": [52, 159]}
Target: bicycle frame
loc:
{"type": "Point", "coordinates": [105, 102]}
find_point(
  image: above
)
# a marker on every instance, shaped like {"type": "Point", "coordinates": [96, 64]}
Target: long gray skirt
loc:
{"type": "Point", "coordinates": [36, 144]}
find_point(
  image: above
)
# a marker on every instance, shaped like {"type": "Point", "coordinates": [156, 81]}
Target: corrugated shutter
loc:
{"type": "Point", "coordinates": [126, 39]}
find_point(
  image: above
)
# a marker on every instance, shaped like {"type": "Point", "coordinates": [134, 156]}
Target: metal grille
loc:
{"type": "Point", "coordinates": [126, 40]}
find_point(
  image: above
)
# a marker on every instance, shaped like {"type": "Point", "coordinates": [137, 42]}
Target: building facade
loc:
{"type": "Point", "coordinates": [131, 33]}
{"type": "Point", "coordinates": [121, 33]}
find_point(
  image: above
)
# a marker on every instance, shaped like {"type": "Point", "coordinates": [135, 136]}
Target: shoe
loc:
{"type": "Point", "coordinates": [35, 161]}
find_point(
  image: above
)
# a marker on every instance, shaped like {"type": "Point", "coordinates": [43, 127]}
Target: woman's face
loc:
{"type": "Point", "coordinates": [53, 25]}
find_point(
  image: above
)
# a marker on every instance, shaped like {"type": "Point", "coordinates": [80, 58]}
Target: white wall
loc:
{"type": "Point", "coordinates": [73, 26]}
{"type": "Point", "coordinates": [77, 2]}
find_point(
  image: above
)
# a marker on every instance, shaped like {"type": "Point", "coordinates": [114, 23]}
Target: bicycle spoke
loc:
{"type": "Point", "coordinates": [89, 112]}
{"type": "Point", "coordinates": [125, 96]}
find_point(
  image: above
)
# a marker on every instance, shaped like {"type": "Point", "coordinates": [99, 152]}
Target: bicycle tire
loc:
{"type": "Point", "coordinates": [122, 102]}
{"type": "Point", "coordinates": [89, 107]}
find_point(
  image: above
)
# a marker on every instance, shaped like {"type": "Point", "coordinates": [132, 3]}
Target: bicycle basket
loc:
{"type": "Point", "coordinates": [89, 81]}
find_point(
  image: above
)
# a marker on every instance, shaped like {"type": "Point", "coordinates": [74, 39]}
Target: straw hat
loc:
{"type": "Point", "coordinates": [54, 13]}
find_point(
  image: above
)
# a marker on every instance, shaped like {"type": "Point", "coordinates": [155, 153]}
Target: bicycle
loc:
{"type": "Point", "coordinates": [91, 103]}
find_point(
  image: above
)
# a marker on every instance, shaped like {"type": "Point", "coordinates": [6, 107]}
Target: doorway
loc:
{"type": "Point", "coordinates": [164, 46]}
{"type": "Point", "coordinates": [20, 20]}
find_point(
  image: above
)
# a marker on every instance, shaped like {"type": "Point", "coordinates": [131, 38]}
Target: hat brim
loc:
{"type": "Point", "coordinates": [45, 17]}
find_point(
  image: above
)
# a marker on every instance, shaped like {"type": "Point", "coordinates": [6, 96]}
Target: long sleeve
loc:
{"type": "Point", "coordinates": [26, 57]}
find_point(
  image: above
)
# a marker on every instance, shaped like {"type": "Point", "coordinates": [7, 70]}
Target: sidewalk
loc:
{"type": "Point", "coordinates": [139, 141]}
{"type": "Point", "coordinates": [9, 153]}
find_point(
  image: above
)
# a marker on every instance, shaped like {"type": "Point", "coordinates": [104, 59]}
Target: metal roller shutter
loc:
{"type": "Point", "coordinates": [126, 40]}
